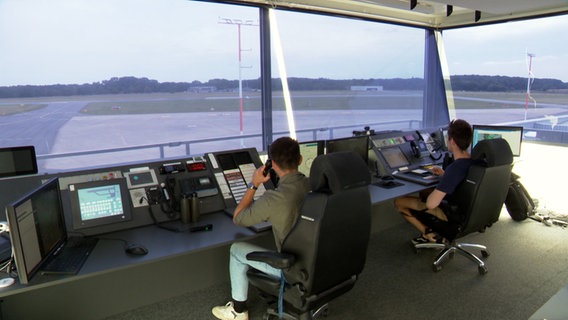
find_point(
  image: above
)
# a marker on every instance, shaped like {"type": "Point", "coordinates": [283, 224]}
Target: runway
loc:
{"type": "Point", "coordinates": [61, 128]}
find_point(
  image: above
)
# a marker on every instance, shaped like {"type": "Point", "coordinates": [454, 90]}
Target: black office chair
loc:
{"type": "Point", "coordinates": [478, 201]}
{"type": "Point", "coordinates": [326, 249]}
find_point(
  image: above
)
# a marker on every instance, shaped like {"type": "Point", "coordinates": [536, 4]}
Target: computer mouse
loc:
{"type": "Point", "coordinates": [387, 178]}
{"type": "Point", "coordinates": [136, 249]}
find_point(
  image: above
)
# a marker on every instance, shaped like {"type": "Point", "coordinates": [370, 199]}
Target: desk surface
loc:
{"type": "Point", "coordinates": [109, 254]}
{"type": "Point", "coordinates": [380, 194]}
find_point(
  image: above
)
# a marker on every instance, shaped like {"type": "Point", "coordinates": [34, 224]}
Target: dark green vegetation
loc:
{"type": "Point", "coordinates": [129, 85]}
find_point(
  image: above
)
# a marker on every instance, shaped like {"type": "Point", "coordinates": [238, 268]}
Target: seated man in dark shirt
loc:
{"type": "Point", "coordinates": [460, 135]}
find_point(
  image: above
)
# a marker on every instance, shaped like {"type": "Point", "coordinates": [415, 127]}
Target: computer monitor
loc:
{"type": "Point", "coordinates": [98, 203]}
{"type": "Point", "coordinates": [15, 161]}
{"type": "Point", "coordinates": [513, 135]}
{"type": "Point", "coordinates": [234, 159]}
{"type": "Point", "coordinates": [394, 157]}
{"type": "Point", "coordinates": [358, 144]}
{"type": "Point", "coordinates": [444, 138]}
{"type": "Point", "coordinates": [309, 151]}
{"type": "Point", "coordinates": [37, 228]}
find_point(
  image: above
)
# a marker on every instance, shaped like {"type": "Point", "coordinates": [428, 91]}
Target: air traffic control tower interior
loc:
{"type": "Point", "coordinates": [153, 214]}
{"type": "Point", "coordinates": [156, 229]}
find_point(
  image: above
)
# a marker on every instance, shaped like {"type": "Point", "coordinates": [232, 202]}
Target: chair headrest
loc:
{"type": "Point", "coordinates": [494, 152]}
{"type": "Point", "coordinates": [338, 171]}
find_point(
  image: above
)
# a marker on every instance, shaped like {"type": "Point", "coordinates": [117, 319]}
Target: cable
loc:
{"type": "Point", "coordinates": [158, 224]}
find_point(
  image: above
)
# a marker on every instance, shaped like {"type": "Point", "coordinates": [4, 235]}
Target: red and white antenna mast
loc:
{"type": "Point", "coordinates": [239, 23]}
{"type": "Point", "coordinates": [530, 80]}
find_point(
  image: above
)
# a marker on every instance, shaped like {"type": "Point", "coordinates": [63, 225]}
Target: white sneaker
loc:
{"type": "Point", "coordinates": [227, 312]}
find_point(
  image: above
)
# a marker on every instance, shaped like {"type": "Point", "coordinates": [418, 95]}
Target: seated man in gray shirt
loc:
{"type": "Point", "coordinates": [280, 206]}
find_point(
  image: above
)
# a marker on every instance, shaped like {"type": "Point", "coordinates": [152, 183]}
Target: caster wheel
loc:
{"type": "Point", "coordinates": [482, 270]}
{"type": "Point", "coordinates": [484, 253]}
{"type": "Point", "coordinates": [436, 268]}
{"type": "Point", "coordinates": [268, 316]}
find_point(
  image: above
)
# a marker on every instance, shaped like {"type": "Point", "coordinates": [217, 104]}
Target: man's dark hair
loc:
{"type": "Point", "coordinates": [460, 131]}
{"type": "Point", "coordinates": [285, 152]}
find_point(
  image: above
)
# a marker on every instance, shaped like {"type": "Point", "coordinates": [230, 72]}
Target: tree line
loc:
{"type": "Point", "coordinates": [126, 85]}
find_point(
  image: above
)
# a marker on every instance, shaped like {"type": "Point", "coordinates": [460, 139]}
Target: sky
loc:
{"type": "Point", "coordinates": [84, 41]}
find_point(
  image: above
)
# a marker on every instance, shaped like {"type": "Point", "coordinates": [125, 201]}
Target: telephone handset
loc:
{"type": "Point", "coordinates": [267, 167]}
{"type": "Point", "coordinates": [268, 170]}
{"type": "Point", "coordinates": [417, 148]}
{"type": "Point", "coordinates": [168, 202]}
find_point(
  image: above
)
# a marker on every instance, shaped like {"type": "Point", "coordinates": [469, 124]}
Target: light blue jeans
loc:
{"type": "Point", "coordinates": [239, 265]}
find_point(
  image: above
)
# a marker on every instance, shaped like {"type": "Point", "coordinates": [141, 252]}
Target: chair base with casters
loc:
{"type": "Point", "coordinates": [449, 249]}
{"type": "Point", "coordinates": [272, 314]}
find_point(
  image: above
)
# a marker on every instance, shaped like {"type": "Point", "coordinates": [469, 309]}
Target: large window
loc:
{"type": "Point", "coordinates": [344, 74]}
{"type": "Point", "coordinates": [514, 73]}
{"type": "Point", "coordinates": [98, 83]}
{"type": "Point", "coordinates": [82, 78]}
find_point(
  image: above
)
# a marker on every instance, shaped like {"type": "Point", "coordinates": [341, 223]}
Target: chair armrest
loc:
{"type": "Point", "coordinates": [275, 259]}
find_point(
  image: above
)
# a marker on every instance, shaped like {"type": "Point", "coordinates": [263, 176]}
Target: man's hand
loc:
{"type": "Point", "coordinates": [258, 178]}
{"type": "Point", "coordinates": [437, 171]}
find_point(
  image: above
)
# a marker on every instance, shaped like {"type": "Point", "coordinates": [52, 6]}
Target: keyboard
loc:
{"type": "Point", "coordinates": [70, 258]}
{"type": "Point", "coordinates": [426, 179]}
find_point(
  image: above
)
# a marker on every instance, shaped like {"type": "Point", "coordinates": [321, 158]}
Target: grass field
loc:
{"type": "Point", "coordinates": [9, 109]}
{"type": "Point", "coordinates": [322, 100]}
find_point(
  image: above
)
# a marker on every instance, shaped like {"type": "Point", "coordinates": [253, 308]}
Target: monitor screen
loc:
{"type": "Point", "coordinates": [309, 151]}
{"type": "Point", "coordinates": [445, 138]}
{"type": "Point", "coordinates": [37, 228]}
{"type": "Point", "coordinates": [358, 144]}
{"type": "Point", "coordinates": [394, 157]}
{"type": "Point", "coordinates": [97, 203]}
{"type": "Point", "coordinates": [15, 161]}
{"type": "Point", "coordinates": [234, 159]}
{"type": "Point", "coordinates": [513, 135]}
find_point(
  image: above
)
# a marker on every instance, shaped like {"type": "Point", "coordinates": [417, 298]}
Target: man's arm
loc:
{"type": "Point", "coordinates": [257, 179]}
{"type": "Point", "coordinates": [434, 199]}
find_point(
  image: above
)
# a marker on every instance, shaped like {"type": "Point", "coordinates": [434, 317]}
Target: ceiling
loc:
{"type": "Point", "coordinates": [436, 14]}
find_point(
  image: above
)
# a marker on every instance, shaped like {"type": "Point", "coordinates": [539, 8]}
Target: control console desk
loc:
{"type": "Point", "coordinates": [112, 281]}
{"type": "Point", "coordinates": [407, 155]}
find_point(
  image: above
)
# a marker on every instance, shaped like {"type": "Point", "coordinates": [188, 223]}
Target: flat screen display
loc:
{"type": "Point", "coordinates": [15, 161]}
{"type": "Point", "coordinates": [139, 179]}
{"type": "Point", "coordinates": [97, 203]}
{"type": "Point", "coordinates": [37, 228]}
{"type": "Point", "coordinates": [309, 151]}
{"type": "Point", "coordinates": [445, 138]}
{"type": "Point", "coordinates": [513, 135]}
{"type": "Point", "coordinates": [394, 157]}
{"type": "Point", "coordinates": [358, 144]}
